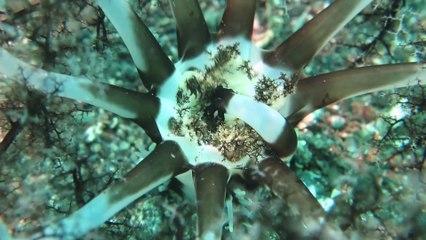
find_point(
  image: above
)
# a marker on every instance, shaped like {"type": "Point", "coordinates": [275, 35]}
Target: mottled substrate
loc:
{"type": "Point", "coordinates": [360, 185]}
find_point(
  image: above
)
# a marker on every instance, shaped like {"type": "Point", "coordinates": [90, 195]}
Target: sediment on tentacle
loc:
{"type": "Point", "coordinates": [162, 164]}
{"type": "Point", "coordinates": [298, 50]}
{"type": "Point", "coordinates": [210, 180]}
{"type": "Point", "coordinates": [268, 123]}
{"type": "Point", "coordinates": [153, 65]}
{"type": "Point", "coordinates": [193, 35]}
{"type": "Point", "coordinates": [316, 92]}
{"type": "Point", "coordinates": [304, 217]}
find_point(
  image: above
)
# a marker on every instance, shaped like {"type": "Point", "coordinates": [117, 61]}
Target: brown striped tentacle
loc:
{"type": "Point", "coordinates": [210, 180]}
{"type": "Point", "coordinates": [298, 50]}
{"type": "Point", "coordinates": [192, 32]}
{"type": "Point", "coordinates": [316, 92]}
{"type": "Point", "coordinates": [301, 216]}
{"type": "Point", "coordinates": [237, 20]}
{"type": "Point", "coordinates": [164, 162]}
{"type": "Point", "coordinates": [153, 64]}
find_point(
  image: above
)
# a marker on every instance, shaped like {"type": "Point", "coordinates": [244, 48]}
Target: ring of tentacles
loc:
{"type": "Point", "coordinates": [226, 108]}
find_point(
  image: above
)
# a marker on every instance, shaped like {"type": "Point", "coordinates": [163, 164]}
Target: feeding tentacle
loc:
{"type": "Point", "coordinates": [192, 32]}
{"type": "Point", "coordinates": [141, 108]}
{"type": "Point", "coordinates": [304, 215]}
{"type": "Point", "coordinates": [210, 181]}
{"type": "Point", "coordinates": [153, 65]}
{"type": "Point", "coordinates": [316, 92]}
{"type": "Point", "coordinates": [159, 166]}
{"type": "Point", "coordinates": [298, 50]}
{"type": "Point", "coordinates": [237, 20]}
{"type": "Point", "coordinates": [268, 123]}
